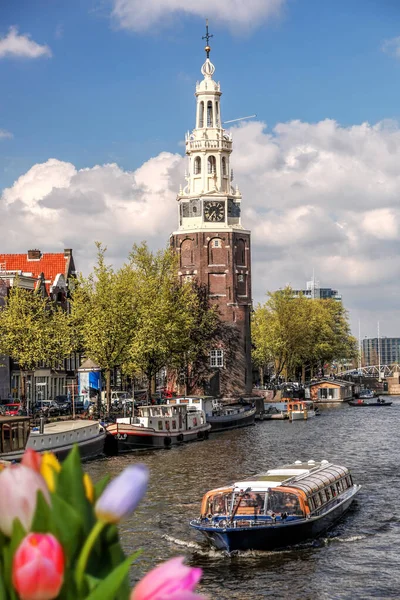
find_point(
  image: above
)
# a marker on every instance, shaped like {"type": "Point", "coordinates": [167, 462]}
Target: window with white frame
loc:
{"type": "Point", "coordinates": [216, 358]}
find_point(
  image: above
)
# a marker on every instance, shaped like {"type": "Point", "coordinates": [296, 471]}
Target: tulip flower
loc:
{"type": "Point", "coordinates": [89, 489]}
{"type": "Point", "coordinates": [123, 494]}
{"type": "Point", "coordinates": [18, 494]}
{"type": "Point", "coordinates": [32, 459]}
{"type": "Point", "coordinates": [171, 580]}
{"type": "Point", "coordinates": [38, 567]}
{"type": "Point", "coordinates": [49, 468]}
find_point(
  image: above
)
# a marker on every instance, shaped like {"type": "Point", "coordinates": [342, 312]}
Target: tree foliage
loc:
{"type": "Point", "coordinates": [33, 330]}
{"type": "Point", "coordinates": [293, 331]}
{"type": "Point", "coordinates": [104, 314]}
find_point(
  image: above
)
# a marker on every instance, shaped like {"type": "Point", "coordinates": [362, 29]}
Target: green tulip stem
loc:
{"type": "Point", "coordinates": [86, 550]}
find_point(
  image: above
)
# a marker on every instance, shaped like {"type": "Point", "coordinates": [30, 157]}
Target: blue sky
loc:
{"type": "Point", "coordinates": [111, 94]}
{"type": "Point", "coordinates": [97, 95]}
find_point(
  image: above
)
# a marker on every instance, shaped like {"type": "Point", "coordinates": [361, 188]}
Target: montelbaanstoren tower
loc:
{"type": "Point", "coordinates": [212, 244]}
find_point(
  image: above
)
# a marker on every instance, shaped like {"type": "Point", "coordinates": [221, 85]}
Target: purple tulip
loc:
{"type": "Point", "coordinates": [123, 494]}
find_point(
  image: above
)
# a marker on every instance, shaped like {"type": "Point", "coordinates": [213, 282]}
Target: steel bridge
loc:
{"type": "Point", "coordinates": [378, 371]}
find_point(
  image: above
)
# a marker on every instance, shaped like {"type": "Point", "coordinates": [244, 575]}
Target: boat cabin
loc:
{"type": "Point", "coordinates": [165, 417]}
{"type": "Point", "coordinates": [331, 390]}
{"type": "Point", "coordinates": [14, 433]}
{"type": "Point", "coordinates": [291, 492]}
{"type": "Point", "coordinates": [208, 404]}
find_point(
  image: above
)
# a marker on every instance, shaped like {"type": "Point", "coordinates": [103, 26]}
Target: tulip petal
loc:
{"type": "Point", "coordinates": [170, 579]}
{"type": "Point", "coordinates": [123, 494]}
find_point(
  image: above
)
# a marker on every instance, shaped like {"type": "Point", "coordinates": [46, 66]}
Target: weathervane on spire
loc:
{"type": "Point", "coordinates": [207, 38]}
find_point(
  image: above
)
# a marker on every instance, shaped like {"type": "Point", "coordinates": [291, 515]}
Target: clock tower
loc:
{"type": "Point", "coordinates": [212, 245]}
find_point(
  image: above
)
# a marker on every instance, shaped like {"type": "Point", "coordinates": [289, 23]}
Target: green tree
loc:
{"type": "Point", "coordinates": [295, 331]}
{"type": "Point", "coordinates": [165, 313]}
{"type": "Point", "coordinates": [104, 315]}
{"type": "Point", "coordinates": [279, 331]}
{"type": "Point", "coordinates": [33, 330]}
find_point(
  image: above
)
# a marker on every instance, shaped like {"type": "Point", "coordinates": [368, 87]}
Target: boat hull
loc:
{"type": "Point", "coordinates": [61, 437]}
{"type": "Point", "coordinates": [278, 535]}
{"type": "Point", "coordinates": [226, 422]}
{"type": "Point", "coordinates": [366, 403]}
{"type": "Point", "coordinates": [123, 438]}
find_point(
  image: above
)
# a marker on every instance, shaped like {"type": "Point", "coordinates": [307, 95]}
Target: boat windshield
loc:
{"type": "Point", "coordinates": [220, 504]}
{"type": "Point", "coordinates": [283, 502]}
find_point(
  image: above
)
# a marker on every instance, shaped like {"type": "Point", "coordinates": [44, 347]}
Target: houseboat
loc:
{"type": "Point", "coordinates": [159, 426]}
{"type": "Point", "coordinates": [16, 435]}
{"type": "Point", "coordinates": [300, 410]}
{"type": "Point", "coordinates": [221, 417]}
{"type": "Point", "coordinates": [330, 390]}
{"type": "Point", "coordinates": [278, 508]}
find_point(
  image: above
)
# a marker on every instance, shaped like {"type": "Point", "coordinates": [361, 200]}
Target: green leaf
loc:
{"type": "Point", "coordinates": [18, 534]}
{"type": "Point", "coordinates": [100, 486]}
{"type": "Point", "coordinates": [70, 487]}
{"type": "Point", "coordinates": [70, 527]}
{"type": "Point", "coordinates": [42, 520]}
{"type": "Point", "coordinates": [110, 586]}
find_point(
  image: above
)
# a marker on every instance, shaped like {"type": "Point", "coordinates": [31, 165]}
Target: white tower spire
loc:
{"type": "Point", "coordinates": [209, 148]}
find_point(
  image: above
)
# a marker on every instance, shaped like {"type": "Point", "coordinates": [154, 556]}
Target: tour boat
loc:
{"type": "Point", "coordinates": [221, 417]}
{"type": "Point", "coordinates": [278, 508]}
{"type": "Point", "coordinates": [159, 426]}
{"type": "Point", "coordinates": [300, 410]}
{"type": "Point", "coordinates": [277, 410]}
{"type": "Point", "coordinates": [58, 437]}
{"type": "Point", "coordinates": [377, 402]}
{"type": "Point", "coordinates": [367, 394]}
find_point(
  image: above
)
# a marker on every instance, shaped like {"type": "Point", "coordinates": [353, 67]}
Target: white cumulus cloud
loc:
{"type": "Point", "coordinates": [21, 46]}
{"type": "Point", "coordinates": [316, 196]}
{"type": "Point", "coordinates": [137, 15]}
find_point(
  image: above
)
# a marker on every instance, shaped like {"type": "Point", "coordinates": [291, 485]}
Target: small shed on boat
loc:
{"type": "Point", "coordinates": [331, 390]}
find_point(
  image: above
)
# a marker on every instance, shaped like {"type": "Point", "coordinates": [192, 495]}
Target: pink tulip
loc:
{"type": "Point", "coordinates": [32, 459]}
{"type": "Point", "coordinates": [38, 567]}
{"type": "Point", "coordinates": [18, 494]}
{"type": "Point", "coordinates": [171, 580]}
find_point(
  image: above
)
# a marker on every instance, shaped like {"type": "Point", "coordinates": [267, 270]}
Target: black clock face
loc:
{"type": "Point", "coordinates": [214, 211]}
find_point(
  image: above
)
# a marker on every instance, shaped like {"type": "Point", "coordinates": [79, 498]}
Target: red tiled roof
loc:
{"type": "Point", "coordinates": [50, 264]}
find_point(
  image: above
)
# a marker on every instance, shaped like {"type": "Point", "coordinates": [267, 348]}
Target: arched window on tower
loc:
{"type": "Point", "coordinates": [197, 165]}
{"type": "Point", "coordinates": [224, 171]}
{"type": "Point", "coordinates": [240, 253]}
{"type": "Point", "coordinates": [217, 115]}
{"type": "Point", "coordinates": [210, 121]}
{"type": "Point", "coordinates": [201, 115]}
{"type": "Point", "coordinates": [211, 165]}
{"type": "Point", "coordinates": [187, 254]}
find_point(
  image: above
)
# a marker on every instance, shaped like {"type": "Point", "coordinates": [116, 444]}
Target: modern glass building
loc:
{"type": "Point", "coordinates": [388, 349]}
{"type": "Point", "coordinates": [314, 291]}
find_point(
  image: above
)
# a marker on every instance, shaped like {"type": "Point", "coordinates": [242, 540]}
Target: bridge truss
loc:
{"type": "Point", "coordinates": [378, 371]}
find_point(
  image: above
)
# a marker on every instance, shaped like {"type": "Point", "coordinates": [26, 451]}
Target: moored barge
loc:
{"type": "Point", "coordinates": [159, 426]}
{"type": "Point", "coordinates": [278, 508]}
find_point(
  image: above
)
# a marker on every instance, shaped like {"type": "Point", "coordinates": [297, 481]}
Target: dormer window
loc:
{"type": "Point", "coordinates": [197, 165]}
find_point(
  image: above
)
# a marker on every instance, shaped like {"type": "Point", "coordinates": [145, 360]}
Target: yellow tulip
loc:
{"type": "Point", "coordinates": [89, 489]}
{"type": "Point", "coordinates": [48, 469]}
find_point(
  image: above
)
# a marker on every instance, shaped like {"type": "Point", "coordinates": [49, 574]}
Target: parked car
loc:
{"type": "Point", "coordinates": [11, 410]}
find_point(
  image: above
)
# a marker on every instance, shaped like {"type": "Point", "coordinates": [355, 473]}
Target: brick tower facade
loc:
{"type": "Point", "coordinates": [212, 244]}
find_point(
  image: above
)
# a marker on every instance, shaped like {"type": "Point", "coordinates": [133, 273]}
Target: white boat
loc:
{"type": "Point", "coordinates": [59, 437]}
{"type": "Point", "coordinates": [300, 410]}
{"type": "Point", "coordinates": [221, 417]}
{"type": "Point", "coordinates": [159, 426]}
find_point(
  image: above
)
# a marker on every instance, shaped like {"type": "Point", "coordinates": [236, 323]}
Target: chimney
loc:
{"type": "Point", "coordinates": [68, 252]}
{"type": "Point", "coordinates": [34, 255]}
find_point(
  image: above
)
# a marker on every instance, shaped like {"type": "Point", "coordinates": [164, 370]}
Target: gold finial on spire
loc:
{"type": "Point", "coordinates": [207, 38]}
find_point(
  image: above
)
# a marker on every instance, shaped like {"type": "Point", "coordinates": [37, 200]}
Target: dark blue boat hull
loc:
{"type": "Point", "coordinates": [234, 421]}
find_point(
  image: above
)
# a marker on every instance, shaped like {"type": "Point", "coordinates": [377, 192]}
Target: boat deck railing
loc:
{"type": "Point", "coordinates": [224, 522]}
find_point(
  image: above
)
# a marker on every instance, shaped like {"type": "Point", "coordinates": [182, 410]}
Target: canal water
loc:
{"type": "Point", "coordinates": [358, 559]}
